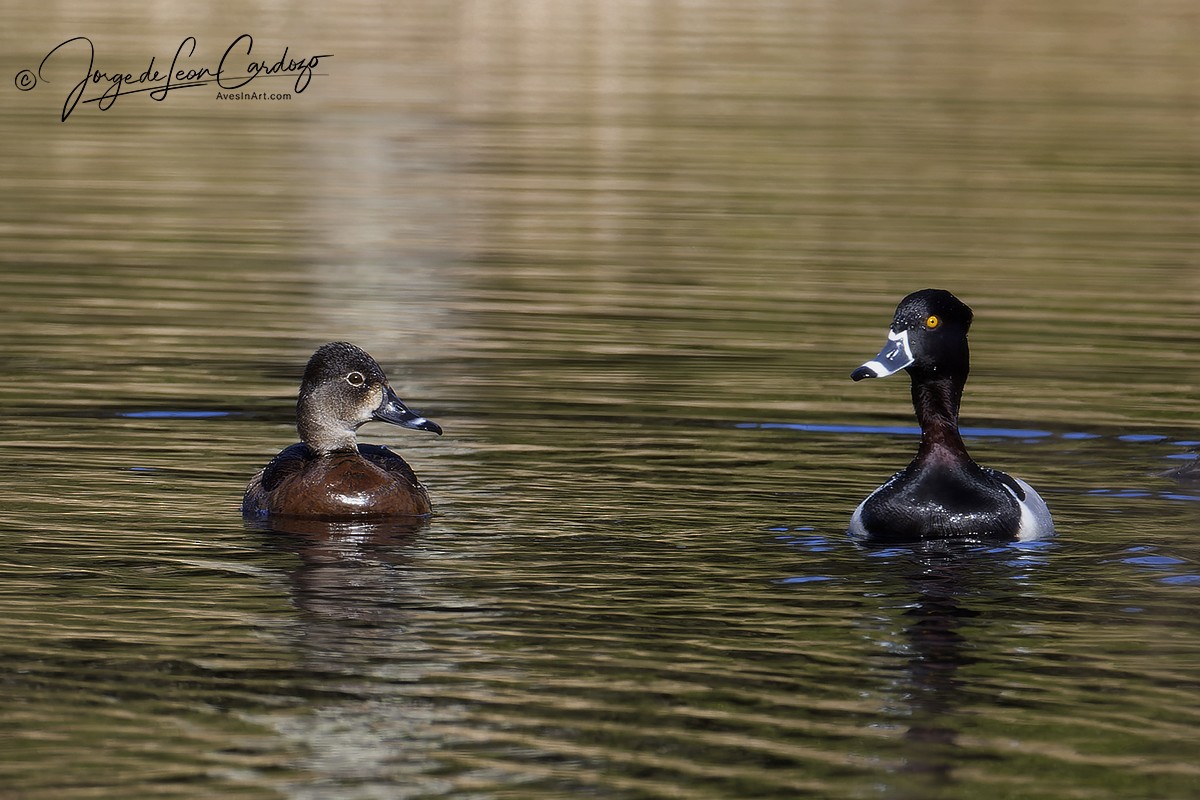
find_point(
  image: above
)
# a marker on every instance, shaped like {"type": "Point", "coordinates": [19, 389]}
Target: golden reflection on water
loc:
{"type": "Point", "coordinates": [592, 239]}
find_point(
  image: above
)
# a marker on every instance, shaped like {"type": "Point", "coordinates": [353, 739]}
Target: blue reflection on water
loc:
{"type": "Point", "coordinates": [970, 432]}
{"type": "Point", "coordinates": [902, 430]}
{"type": "Point", "coordinates": [1182, 580]}
{"type": "Point", "coordinates": [813, 543]}
{"type": "Point", "coordinates": [1155, 563]}
{"type": "Point", "coordinates": [1135, 493]}
{"type": "Point", "coordinates": [1033, 547]}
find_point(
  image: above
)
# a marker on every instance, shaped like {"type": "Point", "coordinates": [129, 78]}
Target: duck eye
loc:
{"type": "Point", "coordinates": [355, 379]}
{"type": "Point", "coordinates": [932, 321]}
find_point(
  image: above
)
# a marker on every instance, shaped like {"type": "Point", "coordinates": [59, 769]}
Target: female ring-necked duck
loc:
{"type": "Point", "coordinates": [328, 475]}
{"type": "Point", "coordinates": [942, 493]}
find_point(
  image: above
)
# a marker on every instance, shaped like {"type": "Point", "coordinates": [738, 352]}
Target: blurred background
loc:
{"type": "Point", "coordinates": [626, 253]}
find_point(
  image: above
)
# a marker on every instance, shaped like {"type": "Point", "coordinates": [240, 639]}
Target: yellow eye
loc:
{"type": "Point", "coordinates": [932, 321]}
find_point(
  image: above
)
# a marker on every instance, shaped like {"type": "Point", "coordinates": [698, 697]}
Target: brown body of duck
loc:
{"type": "Point", "coordinates": [328, 475]}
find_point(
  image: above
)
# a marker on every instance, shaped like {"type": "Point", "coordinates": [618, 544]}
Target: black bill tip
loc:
{"type": "Point", "coordinates": [862, 372]}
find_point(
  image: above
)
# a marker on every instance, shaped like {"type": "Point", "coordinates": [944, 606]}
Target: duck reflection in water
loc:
{"type": "Point", "coordinates": [939, 650]}
{"type": "Point", "coordinates": [360, 591]}
{"type": "Point", "coordinates": [941, 614]}
{"type": "Point", "coordinates": [348, 570]}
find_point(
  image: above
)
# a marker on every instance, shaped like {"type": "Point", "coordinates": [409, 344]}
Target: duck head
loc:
{"type": "Point", "coordinates": [928, 337]}
{"type": "Point", "coordinates": [344, 388]}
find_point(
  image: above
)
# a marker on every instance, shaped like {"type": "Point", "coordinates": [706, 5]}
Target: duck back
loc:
{"type": "Point", "coordinates": [369, 481]}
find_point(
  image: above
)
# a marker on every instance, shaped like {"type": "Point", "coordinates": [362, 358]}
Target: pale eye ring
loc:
{"type": "Point", "coordinates": [356, 379]}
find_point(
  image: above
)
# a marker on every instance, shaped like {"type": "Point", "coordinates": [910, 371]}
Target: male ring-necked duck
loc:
{"type": "Point", "coordinates": [328, 475]}
{"type": "Point", "coordinates": [942, 493]}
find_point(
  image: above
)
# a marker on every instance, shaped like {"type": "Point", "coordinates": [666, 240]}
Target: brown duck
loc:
{"type": "Point", "coordinates": [328, 474]}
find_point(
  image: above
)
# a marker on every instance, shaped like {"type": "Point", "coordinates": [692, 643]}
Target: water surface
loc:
{"type": "Point", "coordinates": [627, 255]}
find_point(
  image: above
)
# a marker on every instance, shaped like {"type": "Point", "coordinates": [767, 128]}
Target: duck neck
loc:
{"type": "Point", "coordinates": [936, 402]}
{"type": "Point", "coordinates": [321, 434]}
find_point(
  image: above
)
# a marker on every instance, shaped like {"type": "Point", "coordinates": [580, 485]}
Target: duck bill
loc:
{"type": "Point", "coordinates": [895, 356]}
{"type": "Point", "coordinates": [392, 410]}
